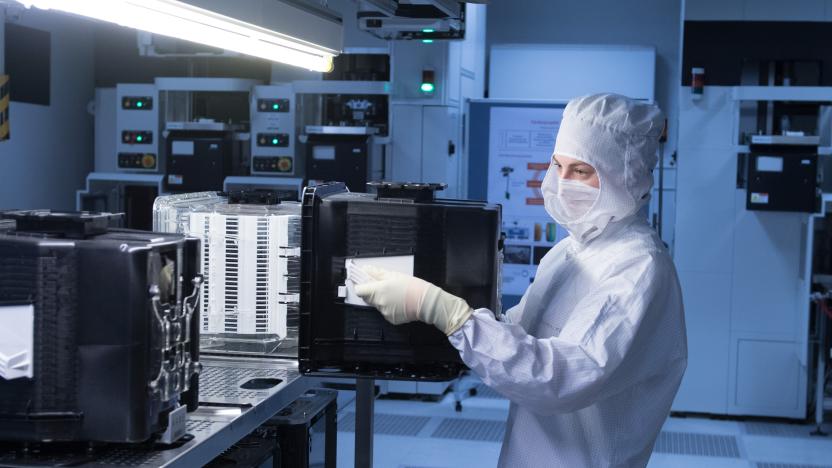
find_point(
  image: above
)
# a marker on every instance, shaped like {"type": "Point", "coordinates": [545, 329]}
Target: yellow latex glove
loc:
{"type": "Point", "coordinates": [402, 298]}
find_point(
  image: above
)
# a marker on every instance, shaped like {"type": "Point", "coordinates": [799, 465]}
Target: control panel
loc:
{"type": "Point", "coordinates": [273, 130]}
{"type": "Point", "coordinates": [140, 161]}
{"type": "Point", "coordinates": [273, 105]}
{"type": "Point", "coordinates": [137, 128]}
{"type": "Point", "coordinates": [272, 165]}
{"type": "Point", "coordinates": [136, 137]}
{"type": "Point", "coordinates": [276, 140]}
{"type": "Point", "coordinates": [137, 103]}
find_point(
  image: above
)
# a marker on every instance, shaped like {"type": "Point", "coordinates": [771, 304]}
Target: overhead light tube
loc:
{"type": "Point", "coordinates": [183, 21]}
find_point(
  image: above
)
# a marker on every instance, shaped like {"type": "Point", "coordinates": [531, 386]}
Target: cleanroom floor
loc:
{"type": "Point", "coordinates": [427, 434]}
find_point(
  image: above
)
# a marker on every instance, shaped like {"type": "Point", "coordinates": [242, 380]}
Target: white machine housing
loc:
{"type": "Point", "coordinates": [412, 19]}
{"type": "Point", "coordinates": [746, 275]}
{"type": "Point", "coordinates": [412, 28]}
{"type": "Point", "coordinates": [273, 117]}
{"type": "Point", "coordinates": [427, 142]}
{"type": "Point", "coordinates": [132, 155]}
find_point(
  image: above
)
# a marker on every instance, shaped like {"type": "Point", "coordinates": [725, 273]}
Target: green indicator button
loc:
{"type": "Point", "coordinates": [276, 106]}
{"type": "Point", "coordinates": [275, 141]}
{"type": "Point", "coordinates": [428, 87]}
{"type": "Point", "coordinates": [139, 138]}
{"type": "Point", "coordinates": [139, 104]}
{"type": "Point", "coordinates": [428, 30]}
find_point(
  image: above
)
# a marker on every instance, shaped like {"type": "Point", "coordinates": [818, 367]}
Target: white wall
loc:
{"type": "Point", "coordinates": [51, 147]}
{"type": "Point", "coordinates": [353, 36]}
{"type": "Point", "coordinates": [654, 23]}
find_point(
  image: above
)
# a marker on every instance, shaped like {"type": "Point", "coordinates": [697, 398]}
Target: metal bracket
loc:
{"type": "Point", "coordinates": [176, 425]}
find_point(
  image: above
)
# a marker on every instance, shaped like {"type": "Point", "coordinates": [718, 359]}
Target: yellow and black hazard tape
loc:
{"type": "Point", "coordinates": [4, 107]}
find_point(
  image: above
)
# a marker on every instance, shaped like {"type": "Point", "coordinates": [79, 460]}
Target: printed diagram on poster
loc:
{"type": "Point", "coordinates": [520, 150]}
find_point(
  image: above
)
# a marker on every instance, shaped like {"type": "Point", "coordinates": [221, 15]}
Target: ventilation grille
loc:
{"type": "Point", "coordinates": [51, 283]}
{"type": "Point", "coordinates": [388, 424]}
{"type": "Point", "coordinates": [369, 233]}
{"type": "Point", "coordinates": [777, 430]}
{"type": "Point", "coordinates": [703, 445]}
{"type": "Point", "coordinates": [471, 429]}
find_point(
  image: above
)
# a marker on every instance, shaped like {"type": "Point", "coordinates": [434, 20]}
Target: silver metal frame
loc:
{"type": "Point", "coordinates": [217, 426]}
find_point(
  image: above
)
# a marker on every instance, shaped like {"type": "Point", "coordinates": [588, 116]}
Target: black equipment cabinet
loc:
{"type": "Point", "coordinates": [256, 450]}
{"type": "Point", "coordinates": [198, 161]}
{"type": "Point", "coordinates": [307, 430]}
{"type": "Point", "coordinates": [116, 337]}
{"type": "Point", "coordinates": [783, 178]}
{"type": "Point", "coordinates": [338, 157]}
{"type": "Point", "coordinates": [456, 245]}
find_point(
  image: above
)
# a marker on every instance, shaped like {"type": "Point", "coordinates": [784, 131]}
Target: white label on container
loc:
{"type": "Point", "coordinates": [769, 164]}
{"type": "Point", "coordinates": [323, 152]}
{"type": "Point", "coordinates": [182, 148]}
{"type": "Point", "coordinates": [17, 341]}
{"type": "Point", "coordinates": [759, 198]}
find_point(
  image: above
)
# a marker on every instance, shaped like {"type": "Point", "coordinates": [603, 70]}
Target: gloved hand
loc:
{"type": "Point", "coordinates": [401, 299]}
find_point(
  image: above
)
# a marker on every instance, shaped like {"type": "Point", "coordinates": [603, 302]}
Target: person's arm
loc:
{"type": "Point", "coordinates": [567, 373]}
{"type": "Point", "coordinates": [546, 375]}
{"type": "Point", "coordinates": [513, 314]}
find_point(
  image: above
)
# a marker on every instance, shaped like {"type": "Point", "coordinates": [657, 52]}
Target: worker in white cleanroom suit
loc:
{"type": "Point", "coordinates": [592, 356]}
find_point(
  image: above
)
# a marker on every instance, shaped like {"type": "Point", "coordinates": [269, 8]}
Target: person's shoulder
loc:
{"type": "Point", "coordinates": [637, 240]}
{"type": "Point", "coordinates": [636, 248]}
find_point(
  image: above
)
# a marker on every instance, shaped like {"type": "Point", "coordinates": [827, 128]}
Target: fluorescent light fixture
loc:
{"type": "Point", "coordinates": [183, 21]}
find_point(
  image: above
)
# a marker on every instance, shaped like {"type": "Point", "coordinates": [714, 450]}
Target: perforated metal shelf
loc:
{"type": "Point", "coordinates": [227, 414]}
{"type": "Point", "coordinates": [221, 383]}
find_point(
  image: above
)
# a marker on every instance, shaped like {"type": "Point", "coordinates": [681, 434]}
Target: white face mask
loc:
{"type": "Point", "coordinates": [575, 198]}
